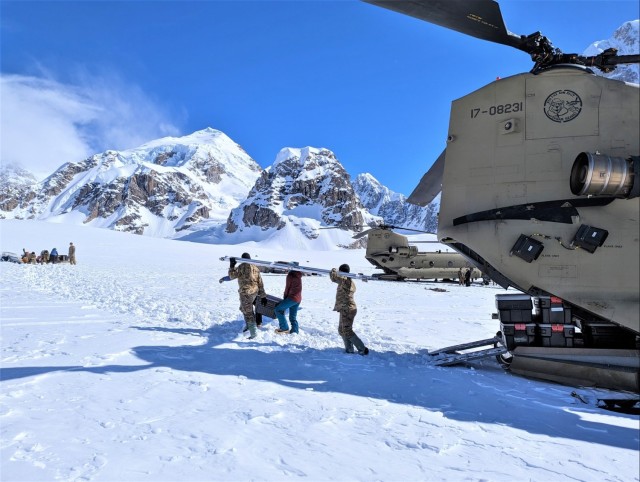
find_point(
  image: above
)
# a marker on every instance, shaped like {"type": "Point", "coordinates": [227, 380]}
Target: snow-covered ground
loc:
{"type": "Point", "coordinates": [131, 366]}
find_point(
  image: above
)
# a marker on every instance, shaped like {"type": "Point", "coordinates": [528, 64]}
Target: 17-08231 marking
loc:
{"type": "Point", "coordinates": [498, 109]}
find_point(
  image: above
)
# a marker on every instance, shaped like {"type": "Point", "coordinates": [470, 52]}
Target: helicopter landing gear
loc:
{"type": "Point", "coordinates": [504, 359]}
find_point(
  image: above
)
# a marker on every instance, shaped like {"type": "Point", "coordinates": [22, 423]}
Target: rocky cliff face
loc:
{"type": "Point", "coordinates": [393, 207]}
{"type": "Point", "coordinates": [160, 188]}
{"type": "Point", "coordinates": [307, 188]}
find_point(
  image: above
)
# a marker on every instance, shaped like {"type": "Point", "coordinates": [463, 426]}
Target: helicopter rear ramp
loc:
{"type": "Point", "coordinates": [453, 355]}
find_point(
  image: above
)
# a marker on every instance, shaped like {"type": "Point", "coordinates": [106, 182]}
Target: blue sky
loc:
{"type": "Point", "coordinates": [372, 85]}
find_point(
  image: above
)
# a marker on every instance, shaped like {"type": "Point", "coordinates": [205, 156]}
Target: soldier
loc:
{"type": "Point", "coordinates": [72, 254]}
{"type": "Point", "coordinates": [346, 306]}
{"type": "Point", "coordinates": [250, 288]}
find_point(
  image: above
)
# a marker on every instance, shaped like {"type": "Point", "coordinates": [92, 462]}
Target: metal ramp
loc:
{"type": "Point", "coordinates": [452, 355]}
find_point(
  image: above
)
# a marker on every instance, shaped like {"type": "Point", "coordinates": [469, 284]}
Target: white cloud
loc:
{"type": "Point", "coordinates": [45, 123]}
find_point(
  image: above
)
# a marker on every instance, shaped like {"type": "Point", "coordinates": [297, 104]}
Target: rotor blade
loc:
{"type": "Point", "coordinates": [340, 227]}
{"type": "Point", "coordinates": [625, 59]}
{"type": "Point", "coordinates": [361, 234]}
{"type": "Point", "coordinates": [479, 18]}
{"type": "Point", "coordinates": [431, 183]}
{"type": "Point", "coordinates": [411, 229]}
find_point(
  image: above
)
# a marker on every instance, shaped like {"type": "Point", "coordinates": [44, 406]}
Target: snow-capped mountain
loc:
{"type": "Point", "coordinates": [393, 207]}
{"type": "Point", "coordinates": [204, 187]}
{"type": "Point", "coordinates": [304, 190]}
{"type": "Point", "coordinates": [15, 187]}
{"type": "Point", "coordinates": [158, 189]}
{"type": "Point", "coordinates": [626, 40]}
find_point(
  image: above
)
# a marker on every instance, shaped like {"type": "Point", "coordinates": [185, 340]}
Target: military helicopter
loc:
{"type": "Point", "coordinates": [540, 180]}
{"type": "Point", "coordinates": [392, 253]}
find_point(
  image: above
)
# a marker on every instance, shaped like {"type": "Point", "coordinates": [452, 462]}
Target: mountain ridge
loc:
{"type": "Point", "coordinates": [205, 187]}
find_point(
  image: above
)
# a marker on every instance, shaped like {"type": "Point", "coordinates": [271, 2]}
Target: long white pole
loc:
{"type": "Point", "coordinates": [291, 267]}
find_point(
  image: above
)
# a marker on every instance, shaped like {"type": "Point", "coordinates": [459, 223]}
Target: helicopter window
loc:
{"type": "Point", "coordinates": [412, 264]}
{"type": "Point", "coordinates": [450, 264]}
{"type": "Point", "coordinates": [384, 260]}
{"type": "Point", "coordinates": [431, 263]}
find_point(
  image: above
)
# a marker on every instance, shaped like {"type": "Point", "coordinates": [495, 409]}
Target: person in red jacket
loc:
{"type": "Point", "coordinates": [290, 301]}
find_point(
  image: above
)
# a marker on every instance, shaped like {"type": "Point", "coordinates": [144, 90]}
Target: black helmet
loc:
{"type": "Point", "coordinates": [246, 256]}
{"type": "Point", "coordinates": [344, 268]}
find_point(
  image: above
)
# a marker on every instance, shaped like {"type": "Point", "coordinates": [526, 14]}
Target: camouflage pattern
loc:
{"type": "Point", "coordinates": [249, 280]}
{"type": "Point", "coordinates": [344, 293]}
{"type": "Point", "coordinates": [354, 341]}
{"type": "Point", "coordinates": [246, 307]}
{"type": "Point", "coordinates": [345, 325]}
{"type": "Point", "coordinates": [250, 288]}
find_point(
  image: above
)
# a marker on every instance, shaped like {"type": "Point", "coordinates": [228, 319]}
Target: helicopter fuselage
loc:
{"type": "Point", "coordinates": [392, 253]}
{"type": "Point", "coordinates": [511, 169]}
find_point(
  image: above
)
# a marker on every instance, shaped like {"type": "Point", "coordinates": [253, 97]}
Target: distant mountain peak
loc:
{"type": "Point", "coordinates": [301, 154]}
{"type": "Point", "coordinates": [393, 207]}
{"type": "Point", "coordinates": [305, 189]}
{"type": "Point", "coordinates": [14, 174]}
{"type": "Point", "coordinates": [159, 188]}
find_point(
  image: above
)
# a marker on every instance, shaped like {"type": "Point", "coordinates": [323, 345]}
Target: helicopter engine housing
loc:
{"type": "Point", "coordinates": [602, 175]}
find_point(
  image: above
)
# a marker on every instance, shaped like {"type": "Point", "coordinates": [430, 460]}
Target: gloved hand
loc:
{"type": "Point", "coordinates": [232, 262]}
{"type": "Point", "coordinates": [263, 301]}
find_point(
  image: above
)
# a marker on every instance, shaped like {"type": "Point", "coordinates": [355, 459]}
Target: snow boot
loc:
{"type": "Point", "coordinates": [357, 342]}
{"type": "Point", "coordinates": [348, 346]}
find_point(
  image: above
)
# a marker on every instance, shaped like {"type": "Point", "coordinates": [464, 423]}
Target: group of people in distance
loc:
{"type": "Point", "coordinates": [251, 290]}
{"type": "Point", "coordinates": [47, 257]}
{"type": "Point", "coordinates": [464, 276]}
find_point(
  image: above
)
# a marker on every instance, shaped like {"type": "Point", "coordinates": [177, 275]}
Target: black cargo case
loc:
{"type": "Point", "coordinates": [269, 310]}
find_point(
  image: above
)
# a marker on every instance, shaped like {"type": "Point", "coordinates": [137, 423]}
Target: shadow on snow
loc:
{"type": "Point", "coordinates": [458, 393]}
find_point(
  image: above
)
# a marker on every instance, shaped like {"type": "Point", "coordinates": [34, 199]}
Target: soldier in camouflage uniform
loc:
{"type": "Point", "coordinates": [72, 254]}
{"type": "Point", "coordinates": [346, 306]}
{"type": "Point", "coordinates": [250, 288]}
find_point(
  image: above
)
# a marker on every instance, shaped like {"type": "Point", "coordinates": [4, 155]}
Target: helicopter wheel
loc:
{"type": "Point", "coordinates": [505, 359]}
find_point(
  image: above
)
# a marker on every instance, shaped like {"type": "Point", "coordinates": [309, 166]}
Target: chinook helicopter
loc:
{"type": "Point", "coordinates": [540, 180]}
{"type": "Point", "coordinates": [392, 253]}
